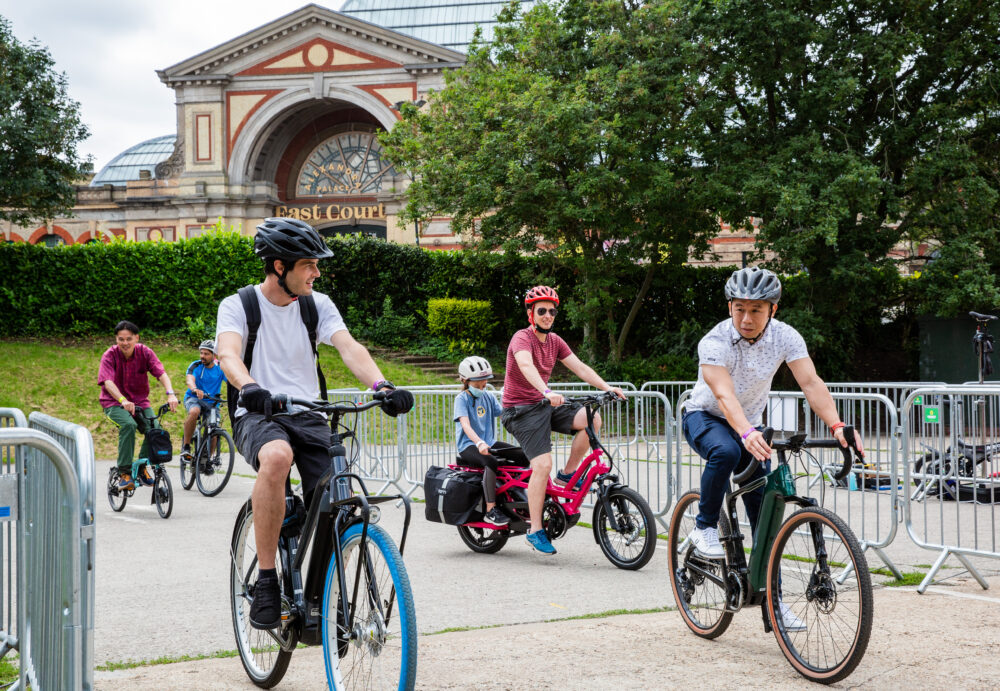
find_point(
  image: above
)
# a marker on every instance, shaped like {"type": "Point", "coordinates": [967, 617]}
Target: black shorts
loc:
{"type": "Point", "coordinates": [308, 434]}
{"type": "Point", "coordinates": [532, 425]}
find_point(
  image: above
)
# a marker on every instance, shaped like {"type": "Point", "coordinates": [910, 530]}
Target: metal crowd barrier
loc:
{"type": "Point", "coordinates": [868, 499]}
{"type": "Point", "coordinates": [54, 627]}
{"type": "Point", "coordinates": [11, 464]}
{"type": "Point", "coordinates": [951, 479]}
{"type": "Point", "coordinates": [378, 446]}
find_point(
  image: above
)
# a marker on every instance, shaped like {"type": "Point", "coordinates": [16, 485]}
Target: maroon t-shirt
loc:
{"type": "Point", "coordinates": [130, 376]}
{"type": "Point", "coordinates": [516, 389]}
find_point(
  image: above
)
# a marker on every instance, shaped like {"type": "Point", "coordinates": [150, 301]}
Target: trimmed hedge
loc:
{"type": "Point", "coordinates": [383, 289]}
{"type": "Point", "coordinates": [465, 325]}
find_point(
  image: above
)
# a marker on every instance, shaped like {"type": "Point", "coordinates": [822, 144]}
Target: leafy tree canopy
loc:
{"type": "Point", "coordinates": [40, 128]}
{"type": "Point", "coordinates": [568, 136]}
{"type": "Point", "coordinates": [849, 128]}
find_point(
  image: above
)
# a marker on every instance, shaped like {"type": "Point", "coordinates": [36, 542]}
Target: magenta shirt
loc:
{"type": "Point", "coordinates": [516, 389]}
{"type": "Point", "coordinates": [130, 376]}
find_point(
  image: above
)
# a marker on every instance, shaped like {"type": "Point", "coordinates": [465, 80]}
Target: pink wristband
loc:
{"type": "Point", "coordinates": [748, 433]}
{"type": "Point", "coordinates": [837, 426]}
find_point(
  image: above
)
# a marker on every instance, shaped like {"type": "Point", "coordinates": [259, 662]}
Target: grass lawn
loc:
{"type": "Point", "coordinates": [60, 378]}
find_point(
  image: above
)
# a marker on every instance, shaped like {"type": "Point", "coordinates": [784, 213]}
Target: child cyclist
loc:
{"type": "Point", "coordinates": [476, 413]}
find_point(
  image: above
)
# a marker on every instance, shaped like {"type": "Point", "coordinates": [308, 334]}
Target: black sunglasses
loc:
{"type": "Point", "coordinates": [542, 311]}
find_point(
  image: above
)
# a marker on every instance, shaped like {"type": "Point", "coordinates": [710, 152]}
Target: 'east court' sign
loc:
{"type": "Point", "coordinates": [331, 212]}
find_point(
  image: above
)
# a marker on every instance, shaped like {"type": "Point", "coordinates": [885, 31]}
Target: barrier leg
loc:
{"type": "Point", "coordinates": [929, 578]}
{"type": "Point", "coordinates": [972, 570]}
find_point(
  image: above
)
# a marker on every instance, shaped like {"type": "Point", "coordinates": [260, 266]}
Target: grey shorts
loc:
{"type": "Point", "coordinates": [532, 425]}
{"type": "Point", "coordinates": [192, 402]}
{"type": "Point", "coordinates": [308, 435]}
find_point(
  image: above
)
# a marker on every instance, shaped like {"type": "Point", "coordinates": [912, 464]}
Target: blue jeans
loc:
{"type": "Point", "coordinates": [723, 451]}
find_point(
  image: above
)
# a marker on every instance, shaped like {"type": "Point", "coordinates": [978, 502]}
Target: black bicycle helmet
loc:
{"type": "Point", "coordinates": [289, 238]}
{"type": "Point", "coordinates": [754, 283]}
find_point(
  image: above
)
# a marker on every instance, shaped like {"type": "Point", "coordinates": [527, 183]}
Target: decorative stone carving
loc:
{"type": "Point", "coordinates": [173, 166]}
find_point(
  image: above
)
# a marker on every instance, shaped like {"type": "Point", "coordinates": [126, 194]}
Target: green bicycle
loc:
{"type": "Point", "coordinates": [808, 572]}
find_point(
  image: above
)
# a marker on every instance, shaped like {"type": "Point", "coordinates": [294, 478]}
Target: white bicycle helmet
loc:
{"type": "Point", "coordinates": [208, 345]}
{"type": "Point", "coordinates": [475, 368]}
{"type": "Point", "coordinates": [754, 283]}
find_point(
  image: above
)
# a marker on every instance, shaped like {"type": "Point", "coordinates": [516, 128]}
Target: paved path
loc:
{"type": "Point", "coordinates": [162, 590]}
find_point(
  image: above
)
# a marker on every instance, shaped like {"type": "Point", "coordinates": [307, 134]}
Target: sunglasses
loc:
{"type": "Point", "coordinates": [542, 311]}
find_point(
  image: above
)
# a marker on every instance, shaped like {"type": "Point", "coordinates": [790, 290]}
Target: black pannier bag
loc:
{"type": "Point", "coordinates": [453, 497]}
{"type": "Point", "coordinates": [160, 448]}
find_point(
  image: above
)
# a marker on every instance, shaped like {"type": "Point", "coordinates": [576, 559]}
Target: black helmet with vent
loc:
{"type": "Point", "coordinates": [289, 238]}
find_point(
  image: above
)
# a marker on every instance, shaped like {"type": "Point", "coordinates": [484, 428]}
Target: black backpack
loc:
{"type": "Point", "coordinates": [310, 318]}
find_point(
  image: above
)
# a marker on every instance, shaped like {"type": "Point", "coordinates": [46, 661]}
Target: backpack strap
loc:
{"type": "Point", "coordinates": [310, 317]}
{"type": "Point", "coordinates": [251, 308]}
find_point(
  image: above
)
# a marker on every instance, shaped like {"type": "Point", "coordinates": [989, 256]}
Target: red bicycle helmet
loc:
{"type": "Point", "coordinates": [539, 294]}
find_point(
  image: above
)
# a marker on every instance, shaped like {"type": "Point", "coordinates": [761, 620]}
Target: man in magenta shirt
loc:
{"type": "Point", "coordinates": [531, 411]}
{"type": "Point", "coordinates": [123, 378]}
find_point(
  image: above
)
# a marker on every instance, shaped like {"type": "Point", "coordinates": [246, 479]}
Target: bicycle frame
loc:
{"type": "Point", "coordinates": [333, 509]}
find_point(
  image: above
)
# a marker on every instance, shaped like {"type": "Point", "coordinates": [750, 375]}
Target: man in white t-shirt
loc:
{"type": "Point", "coordinates": [738, 359]}
{"type": "Point", "coordinates": [283, 362]}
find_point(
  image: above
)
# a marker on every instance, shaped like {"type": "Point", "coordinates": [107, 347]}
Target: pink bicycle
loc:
{"type": "Point", "coordinates": [623, 524]}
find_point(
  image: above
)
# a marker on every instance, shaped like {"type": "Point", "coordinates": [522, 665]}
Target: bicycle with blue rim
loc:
{"type": "Point", "coordinates": [343, 582]}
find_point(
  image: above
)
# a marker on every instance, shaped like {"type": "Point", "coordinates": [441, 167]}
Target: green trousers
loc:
{"type": "Point", "coordinates": [127, 426]}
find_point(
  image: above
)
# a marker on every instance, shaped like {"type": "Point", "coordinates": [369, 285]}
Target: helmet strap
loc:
{"type": "Point", "coordinates": [281, 279]}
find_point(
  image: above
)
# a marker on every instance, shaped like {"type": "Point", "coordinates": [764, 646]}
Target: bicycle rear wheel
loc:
{"type": "Point", "coordinates": [698, 584]}
{"type": "Point", "coordinates": [631, 546]}
{"type": "Point", "coordinates": [483, 540]}
{"type": "Point", "coordinates": [264, 657]}
{"type": "Point", "coordinates": [215, 462]}
{"type": "Point", "coordinates": [827, 622]}
{"type": "Point", "coordinates": [381, 650]}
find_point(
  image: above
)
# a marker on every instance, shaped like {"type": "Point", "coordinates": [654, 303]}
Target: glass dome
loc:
{"type": "Point", "coordinates": [126, 165]}
{"type": "Point", "coordinates": [448, 24]}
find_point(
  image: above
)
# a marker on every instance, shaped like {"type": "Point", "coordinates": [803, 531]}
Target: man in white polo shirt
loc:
{"type": "Point", "coordinates": [738, 359]}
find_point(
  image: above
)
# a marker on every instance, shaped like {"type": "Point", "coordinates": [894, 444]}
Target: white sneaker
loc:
{"type": "Point", "coordinates": [788, 618]}
{"type": "Point", "coordinates": [706, 543]}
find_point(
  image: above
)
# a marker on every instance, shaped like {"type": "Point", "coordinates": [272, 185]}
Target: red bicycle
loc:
{"type": "Point", "coordinates": [623, 523]}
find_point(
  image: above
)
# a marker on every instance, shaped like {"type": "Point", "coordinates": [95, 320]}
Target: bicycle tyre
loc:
{"type": "Point", "coordinates": [824, 607]}
{"type": "Point", "coordinates": [188, 471]}
{"type": "Point", "coordinates": [479, 541]}
{"type": "Point", "coordinates": [632, 526]}
{"type": "Point", "coordinates": [264, 661]}
{"type": "Point", "coordinates": [209, 465]}
{"type": "Point", "coordinates": [116, 497]}
{"type": "Point", "coordinates": [163, 494]}
{"type": "Point", "coordinates": [359, 663]}
{"type": "Point", "coordinates": [700, 601]}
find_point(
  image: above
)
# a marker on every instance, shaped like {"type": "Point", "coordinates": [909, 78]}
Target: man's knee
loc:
{"type": "Point", "coordinates": [274, 457]}
{"type": "Point", "coordinates": [726, 455]}
{"type": "Point", "coordinates": [193, 413]}
{"type": "Point", "coordinates": [542, 464]}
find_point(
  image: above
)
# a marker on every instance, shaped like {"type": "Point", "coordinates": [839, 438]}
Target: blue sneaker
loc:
{"type": "Point", "coordinates": [540, 541]}
{"type": "Point", "coordinates": [125, 482]}
{"type": "Point", "coordinates": [563, 478]}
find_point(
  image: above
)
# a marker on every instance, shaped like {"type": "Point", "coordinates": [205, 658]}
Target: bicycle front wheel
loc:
{"type": "Point", "coordinates": [215, 462]}
{"type": "Point", "coordinates": [631, 544]}
{"type": "Point", "coordinates": [819, 595]}
{"type": "Point", "coordinates": [263, 655]}
{"type": "Point", "coordinates": [380, 649]}
{"type": "Point", "coordinates": [163, 494]}
{"type": "Point", "coordinates": [699, 584]}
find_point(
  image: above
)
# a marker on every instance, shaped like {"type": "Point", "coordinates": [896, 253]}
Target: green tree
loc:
{"type": "Point", "coordinates": [852, 129]}
{"type": "Point", "coordinates": [566, 137]}
{"type": "Point", "coordinates": [40, 128]}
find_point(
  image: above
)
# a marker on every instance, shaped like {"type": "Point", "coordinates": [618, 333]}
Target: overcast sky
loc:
{"type": "Point", "coordinates": [110, 51]}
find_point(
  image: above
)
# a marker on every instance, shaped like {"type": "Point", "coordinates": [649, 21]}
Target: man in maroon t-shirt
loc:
{"type": "Point", "coordinates": [531, 411]}
{"type": "Point", "coordinates": [123, 378]}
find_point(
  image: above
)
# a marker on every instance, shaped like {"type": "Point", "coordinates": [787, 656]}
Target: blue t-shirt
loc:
{"type": "Point", "coordinates": [482, 413]}
{"type": "Point", "coordinates": [208, 379]}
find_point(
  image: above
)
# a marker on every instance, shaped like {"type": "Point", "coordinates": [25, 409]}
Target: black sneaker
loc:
{"type": "Point", "coordinates": [265, 610]}
{"type": "Point", "coordinates": [496, 517]}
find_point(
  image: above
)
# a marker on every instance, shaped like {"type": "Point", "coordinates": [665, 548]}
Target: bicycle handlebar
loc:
{"type": "Point", "coordinates": [280, 403]}
{"type": "Point", "coordinates": [597, 399]}
{"type": "Point", "coordinates": [796, 443]}
{"type": "Point", "coordinates": [982, 317]}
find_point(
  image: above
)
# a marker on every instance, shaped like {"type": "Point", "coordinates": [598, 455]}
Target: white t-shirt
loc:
{"type": "Point", "coordinates": [283, 360]}
{"type": "Point", "coordinates": [752, 366]}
